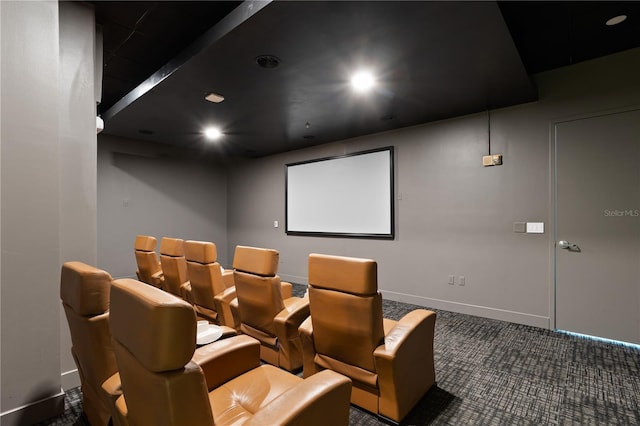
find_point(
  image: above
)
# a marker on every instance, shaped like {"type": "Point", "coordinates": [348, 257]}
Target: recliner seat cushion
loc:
{"type": "Point", "coordinates": [237, 400]}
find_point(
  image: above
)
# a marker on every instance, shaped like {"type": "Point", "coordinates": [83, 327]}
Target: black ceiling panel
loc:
{"type": "Point", "coordinates": [434, 60]}
{"type": "Point", "coordinates": [552, 34]}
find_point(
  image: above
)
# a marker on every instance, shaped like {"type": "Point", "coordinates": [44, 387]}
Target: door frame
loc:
{"type": "Point", "coordinates": [553, 164]}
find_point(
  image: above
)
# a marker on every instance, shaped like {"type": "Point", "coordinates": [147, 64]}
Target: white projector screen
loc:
{"type": "Point", "coordinates": [345, 196]}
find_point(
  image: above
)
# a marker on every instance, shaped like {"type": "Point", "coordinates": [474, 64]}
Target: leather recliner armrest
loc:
{"type": "Point", "coordinates": [185, 291]}
{"type": "Point", "coordinates": [404, 363]}
{"type": "Point", "coordinates": [308, 348]}
{"type": "Point", "coordinates": [227, 278]}
{"type": "Point", "coordinates": [222, 302]}
{"type": "Point", "coordinates": [112, 388]}
{"type": "Point", "coordinates": [235, 312]}
{"type": "Point", "coordinates": [122, 412]}
{"type": "Point", "coordinates": [322, 399]}
{"type": "Point", "coordinates": [289, 319]}
{"type": "Point", "coordinates": [157, 279]}
{"type": "Point", "coordinates": [238, 354]}
{"type": "Point", "coordinates": [286, 289]}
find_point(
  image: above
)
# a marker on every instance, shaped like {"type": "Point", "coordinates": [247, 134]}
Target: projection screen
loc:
{"type": "Point", "coordinates": [345, 196]}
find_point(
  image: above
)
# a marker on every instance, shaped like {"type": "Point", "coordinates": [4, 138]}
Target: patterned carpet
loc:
{"type": "Point", "coordinates": [497, 373]}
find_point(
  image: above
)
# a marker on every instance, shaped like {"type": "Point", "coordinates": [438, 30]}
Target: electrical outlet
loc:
{"type": "Point", "coordinates": [461, 280]}
{"type": "Point", "coordinates": [452, 280]}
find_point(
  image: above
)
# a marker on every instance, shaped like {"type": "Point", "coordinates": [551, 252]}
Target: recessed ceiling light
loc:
{"type": "Point", "coordinates": [212, 133]}
{"type": "Point", "coordinates": [362, 81]}
{"type": "Point", "coordinates": [268, 61]}
{"type": "Point", "coordinates": [214, 97]}
{"type": "Point", "coordinates": [616, 20]}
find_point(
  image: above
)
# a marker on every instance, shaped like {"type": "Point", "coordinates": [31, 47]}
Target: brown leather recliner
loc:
{"type": "Point", "coordinates": [174, 268]}
{"type": "Point", "coordinates": [223, 383]}
{"type": "Point", "coordinates": [264, 312]}
{"type": "Point", "coordinates": [390, 362]}
{"type": "Point", "coordinates": [228, 298]}
{"type": "Point", "coordinates": [149, 269]}
{"type": "Point", "coordinates": [84, 291]}
{"type": "Point", "coordinates": [205, 277]}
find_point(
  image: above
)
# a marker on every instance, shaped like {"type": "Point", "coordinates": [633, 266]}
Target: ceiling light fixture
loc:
{"type": "Point", "coordinates": [214, 97]}
{"type": "Point", "coordinates": [616, 20]}
{"type": "Point", "coordinates": [268, 61]}
{"type": "Point", "coordinates": [212, 133]}
{"type": "Point", "coordinates": [362, 81]}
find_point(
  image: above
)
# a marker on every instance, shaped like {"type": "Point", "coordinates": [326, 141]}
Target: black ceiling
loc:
{"type": "Point", "coordinates": [552, 34]}
{"type": "Point", "coordinates": [139, 37]}
{"type": "Point", "coordinates": [434, 60]}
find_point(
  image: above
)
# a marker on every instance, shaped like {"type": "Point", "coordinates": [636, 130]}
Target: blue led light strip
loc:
{"type": "Point", "coordinates": [601, 339]}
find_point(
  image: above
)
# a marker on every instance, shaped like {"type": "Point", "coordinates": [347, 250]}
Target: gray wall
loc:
{"type": "Point", "coordinates": [155, 190]}
{"type": "Point", "coordinates": [78, 154]}
{"type": "Point", "coordinates": [29, 141]}
{"type": "Point", "coordinates": [454, 217]}
{"type": "Point", "coordinates": [47, 192]}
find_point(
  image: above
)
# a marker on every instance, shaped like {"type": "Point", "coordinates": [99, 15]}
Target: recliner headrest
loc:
{"type": "Point", "coordinates": [145, 243]}
{"type": "Point", "coordinates": [346, 274]}
{"type": "Point", "coordinates": [200, 251]}
{"type": "Point", "coordinates": [158, 328]}
{"type": "Point", "coordinates": [172, 246]}
{"type": "Point", "coordinates": [258, 261]}
{"type": "Point", "coordinates": [85, 288]}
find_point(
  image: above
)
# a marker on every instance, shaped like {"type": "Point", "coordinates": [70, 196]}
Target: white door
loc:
{"type": "Point", "coordinates": [597, 253]}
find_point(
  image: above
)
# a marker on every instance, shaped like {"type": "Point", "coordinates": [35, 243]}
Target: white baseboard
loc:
{"type": "Point", "coordinates": [70, 379]}
{"type": "Point", "coordinates": [34, 412]}
{"type": "Point", "coordinates": [463, 308]}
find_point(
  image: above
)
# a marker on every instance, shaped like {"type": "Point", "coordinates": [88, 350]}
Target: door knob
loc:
{"type": "Point", "coordinates": [568, 246]}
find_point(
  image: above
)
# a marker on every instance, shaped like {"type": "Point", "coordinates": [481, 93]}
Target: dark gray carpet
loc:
{"type": "Point", "coordinates": [497, 373]}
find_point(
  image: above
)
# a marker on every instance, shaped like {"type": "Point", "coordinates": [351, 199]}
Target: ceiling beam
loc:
{"type": "Point", "coordinates": [234, 19]}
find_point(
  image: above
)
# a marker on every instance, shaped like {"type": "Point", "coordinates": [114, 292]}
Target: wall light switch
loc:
{"type": "Point", "coordinates": [519, 227]}
{"type": "Point", "coordinates": [275, 224]}
{"type": "Point", "coordinates": [451, 280]}
{"type": "Point", "coordinates": [535, 227]}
